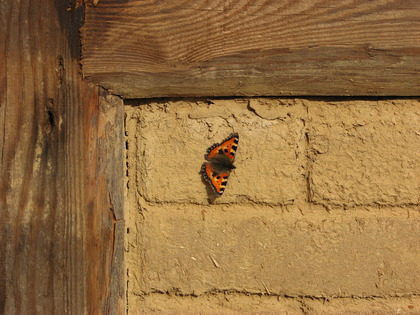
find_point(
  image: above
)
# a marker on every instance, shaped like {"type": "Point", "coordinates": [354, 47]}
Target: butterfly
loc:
{"type": "Point", "coordinates": [220, 157]}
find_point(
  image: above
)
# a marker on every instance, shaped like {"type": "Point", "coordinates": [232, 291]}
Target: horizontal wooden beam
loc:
{"type": "Point", "coordinates": [221, 48]}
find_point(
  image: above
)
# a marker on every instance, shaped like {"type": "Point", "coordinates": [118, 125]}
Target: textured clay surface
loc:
{"type": "Point", "coordinates": [263, 249]}
{"type": "Point", "coordinates": [171, 140]}
{"type": "Point", "coordinates": [321, 215]}
{"type": "Point", "coordinates": [239, 303]}
{"type": "Point", "coordinates": [365, 152]}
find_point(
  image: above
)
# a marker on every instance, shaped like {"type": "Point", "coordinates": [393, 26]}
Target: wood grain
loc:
{"type": "Point", "coordinates": [259, 47]}
{"type": "Point", "coordinates": [60, 221]}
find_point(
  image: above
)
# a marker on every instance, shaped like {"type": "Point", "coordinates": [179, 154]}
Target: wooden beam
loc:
{"type": "Point", "coordinates": [221, 48]}
{"type": "Point", "coordinates": [61, 216]}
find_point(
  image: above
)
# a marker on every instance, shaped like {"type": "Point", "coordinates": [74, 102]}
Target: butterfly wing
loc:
{"type": "Point", "coordinates": [227, 147]}
{"type": "Point", "coordinates": [217, 181]}
{"type": "Point", "coordinates": [220, 156]}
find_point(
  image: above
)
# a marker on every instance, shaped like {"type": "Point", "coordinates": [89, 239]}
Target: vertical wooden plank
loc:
{"type": "Point", "coordinates": [58, 247]}
{"type": "Point", "coordinates": [105, 161]}
{"type": "Point", "coordinates": [111, 134]}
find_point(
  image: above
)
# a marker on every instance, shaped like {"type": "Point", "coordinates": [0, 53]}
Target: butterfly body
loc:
{"type": "Point", "coordinates": [220, 157]}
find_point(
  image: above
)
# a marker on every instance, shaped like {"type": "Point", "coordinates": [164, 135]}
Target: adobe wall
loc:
{"type": "Point", "coordinates": [320, 216]}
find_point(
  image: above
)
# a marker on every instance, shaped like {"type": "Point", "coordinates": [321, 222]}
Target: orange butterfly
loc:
{"type": "Point", "coordinates": [220, 157]}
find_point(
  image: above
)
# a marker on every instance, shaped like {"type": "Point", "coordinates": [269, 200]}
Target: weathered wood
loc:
{"type": "Point", "coordinates": [110, 161]}
{"type": "Point", "coordinates": [304, 47]}
{"type": "Point", "coordinates": [59, 215]}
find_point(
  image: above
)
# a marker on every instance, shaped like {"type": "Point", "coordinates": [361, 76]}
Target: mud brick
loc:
{"type": "Point", "coordinates": [234, 304]}
{"type": "Point", "coordinates": [170, 140]}
{"type": "Point", "coordinates": [202, 249]}
{"type": "Point", "coordinates": [364, 152]}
